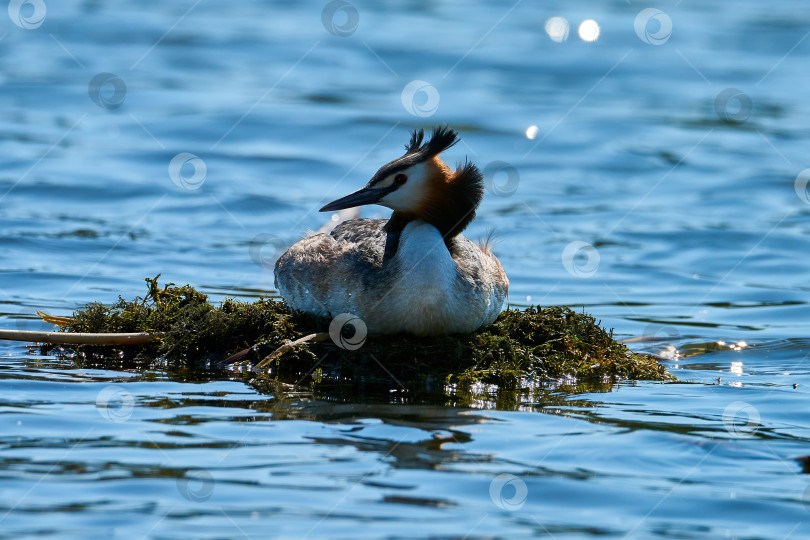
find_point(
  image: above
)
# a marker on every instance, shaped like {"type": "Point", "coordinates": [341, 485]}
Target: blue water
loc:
{"type": "Point", "coordinates": [660, 189]}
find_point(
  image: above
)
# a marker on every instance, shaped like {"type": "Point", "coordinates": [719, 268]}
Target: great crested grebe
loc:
{"type": "Point", "coordinates": [413, 273]}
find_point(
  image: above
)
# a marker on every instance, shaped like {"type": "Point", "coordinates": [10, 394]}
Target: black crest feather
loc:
{"type": "Point", "coordinates": [416, 140]}
{"type": "Point", "coordinates": [441, 139]}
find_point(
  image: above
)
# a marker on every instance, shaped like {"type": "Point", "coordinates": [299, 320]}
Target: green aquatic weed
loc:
{"type": "Point", "coordinates": [521, 348]}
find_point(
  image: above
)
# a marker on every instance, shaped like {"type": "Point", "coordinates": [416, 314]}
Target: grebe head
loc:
{"type": "Point", "coordinates": [419, 185]}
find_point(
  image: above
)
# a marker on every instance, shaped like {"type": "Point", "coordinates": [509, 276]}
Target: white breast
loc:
{"type": "Point", "coordinates": [428, 295]}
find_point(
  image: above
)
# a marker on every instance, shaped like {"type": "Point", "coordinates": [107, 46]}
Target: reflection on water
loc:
{"type": "Point", "coordinates": [173, 457]}
{"type": "Point", "coordinates": [649, 166]}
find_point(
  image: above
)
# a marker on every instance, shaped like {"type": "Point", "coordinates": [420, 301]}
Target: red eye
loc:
{"type": "Point", "coordinates": [400, 179]}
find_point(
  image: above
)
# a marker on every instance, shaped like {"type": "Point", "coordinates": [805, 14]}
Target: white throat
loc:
{"type": "Point", "coordinates": [422, 251]}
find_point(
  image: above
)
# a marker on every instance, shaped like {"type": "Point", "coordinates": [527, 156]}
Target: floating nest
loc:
{"type": "Point", "coordinates": [522, 349]}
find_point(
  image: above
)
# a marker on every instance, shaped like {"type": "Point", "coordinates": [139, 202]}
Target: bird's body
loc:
{"type": "Point", "coordinates": [422, 289]}
{"type": "Point", "coordinates": [414, 273]}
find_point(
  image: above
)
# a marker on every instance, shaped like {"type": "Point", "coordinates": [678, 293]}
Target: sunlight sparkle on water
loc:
{"type": "Point", "coordinates": [740, 345]}
{"type": "Point", "coordinates": [670, 353]}
{"type": "Point", "coordinates": [589, 30]}
{"type": "Point", "coordinates": [557, 29]}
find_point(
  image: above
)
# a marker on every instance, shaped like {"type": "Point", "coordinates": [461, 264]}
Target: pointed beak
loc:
{"type": "Point", "coordinates": [366, 195]}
